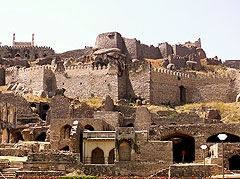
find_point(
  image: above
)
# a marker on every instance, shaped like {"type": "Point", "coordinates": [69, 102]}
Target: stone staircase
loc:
{"type": "Point", "coordinates": [10, 173]}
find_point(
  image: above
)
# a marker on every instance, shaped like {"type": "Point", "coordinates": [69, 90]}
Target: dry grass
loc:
{"type": "Point", "coordinates": [154, 109]}
{"type": "Point", "coordinates": [31, 98]}
{"type": "Point", "coordinates": [156, 63]}
{"type": "Point", "coordinates": [93, 102]}
{"type": "Point", "coordinates": [230, 112]}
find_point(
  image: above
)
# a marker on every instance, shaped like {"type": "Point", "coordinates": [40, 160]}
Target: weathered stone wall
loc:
{"type": "Point", "coordinates": [165, 49]}
{"type": "Point", "coordinates": [25, 52]}
{"type": "Point", "coordinates": [165, 87]}
{"type": "Point", "coordinates": [86, 82]}
{"type": "Point", "coordinates": [138, 83]}
{"type": "Point", "coordinates": [109, 40]}
{"type": "Point", "coordinates": [232, 64]}
{"type": "Point", "coordinates": [2, 76]}
{"type": "Point", "coordinates": [183, 51]}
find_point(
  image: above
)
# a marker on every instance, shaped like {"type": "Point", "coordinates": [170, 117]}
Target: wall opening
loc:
{"type": "Point", "coordinates": [66, 148]}
{"type": "Point", "coordinates": [17, 55]}
{"type": "Point", "coordinates": [130, 125]}
{"type": "Point", "coordinates": [97, 156]}
{"type": "Point", "coordinates": [89, 127]}
{"type": "Point", "coordinates": [19, 137]}
{"type": "Point", "coordinates": [36, 56]}
{"type": "Point", "coordinates": [124, 152]}
{"type": "Point", "coordinates": [41, 137]}
{"type": "Point", "coordinates": [183, 147]}
{"type": "Point", "coordinates": [66, 132]}
{"type": "Point", "coordinates": [43, 111]}
{"type": "Point", "coordinates": [230, 138]}
{"type": "Point", "coordinates": [111, 157]}
{"type": "Point", "coordinates": [234, 162]}
{"type": "Point", "coordinates": [182, 95]}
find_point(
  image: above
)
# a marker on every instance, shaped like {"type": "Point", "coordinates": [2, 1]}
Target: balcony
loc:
{"type": "Point", "coordinates": [99, 135]}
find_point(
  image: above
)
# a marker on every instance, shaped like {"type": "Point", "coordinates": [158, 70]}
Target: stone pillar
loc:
{"type": "Point", "coordinates": [132, 152]}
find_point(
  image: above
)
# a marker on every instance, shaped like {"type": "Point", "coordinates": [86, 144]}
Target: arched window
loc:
{"type": "Point", "coordinates": [66, 131]}
{"type": "Point", "coordinates": [183, 147]}
{"type": "Point", "coordinates": [124, 152]}
{"type": "Point", "coordinates": [89, 127]}
{"type": "Point", "coordinates": [111, 157]}
{"type": "Point", "coordinates": [230, 138]}
{"type": "Point", "coordinates": [97, 156]}
{"type": "Point", "coordinates": [41, 137]}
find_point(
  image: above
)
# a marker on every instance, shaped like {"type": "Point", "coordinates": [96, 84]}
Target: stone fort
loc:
{"type": "Point", "coordinates": [64, 134]}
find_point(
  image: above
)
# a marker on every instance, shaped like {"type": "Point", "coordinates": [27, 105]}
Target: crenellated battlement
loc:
{"type": "Point", "coordinates": [192, 75]}
{"type": "Point", "coordinates": [26, 47]}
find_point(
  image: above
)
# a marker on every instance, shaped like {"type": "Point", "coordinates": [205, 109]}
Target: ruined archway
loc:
{"type": "Point", "coordinates": [230, 138]}
{"type": "Point", "coordinates": [183, 147]}
{"type": "Point", "coordinates": [111, 157]}
{"type": "Point", "coordinates": [41, 137]}
{"type": "Point", "coordinates": [234, 162]}
{"type": "Point", "coordinates": [97, 156]}
{"type": "Point", "coordinates": [125, 152]}
{"type": "Point", "coordinates": [89, 127]}
{"type": "Point", "coordinates": [182, 95]}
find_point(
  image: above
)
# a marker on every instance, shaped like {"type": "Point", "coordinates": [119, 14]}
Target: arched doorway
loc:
{"type": "Point", "coordinates": [234, 162]}
{"type": "Point", "coordinates": [182, 95]}
{"type": "Point", "coordinates": [89, 127]}
{"type": "Point", "coordinates": [230, 138]}
{"type": "Point", "coordinates": [111, 157]}
{"type": "Point", "coordinates": [41, 137]}
{"type": "Point", "coordinates": [124, 152]}
{"type": "Point", "coordinates": [183, 147]}
{"type": "Point", "coordinates": [97, 156]}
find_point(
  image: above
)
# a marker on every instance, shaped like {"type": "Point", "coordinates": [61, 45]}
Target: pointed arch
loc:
{"type": "Point", "coordinates": [183, 147]}
{"type": "Point", "coordinates": [124, 151]}
{"type": "Point", "coordinates": [89, 127]}
{"type": "Point", "coordinates": [97, 156]}
{"type": "Point", "coordinates": [111, 157]}
{"type": "Point", "coordinates": [66, 148]}
{"type": "Point", "coordinates": [230, 138]}
{"type": "Point", "coordinates": [65, 131]}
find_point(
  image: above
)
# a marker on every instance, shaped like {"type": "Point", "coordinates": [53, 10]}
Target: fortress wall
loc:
{"type": "Point", "coordinates": [138, 82]}
{"type": "Point", "coordinates": [25, 52]}
{"type": "Point", "coordinates": [183, 51]}
{"type": "Point", "coordinates": [149, 51]}
{"type": "Point", "coordinates": [2, 76]}
{"type": "Point", "coordinates": [165, 87]}
{"type": "Point", "coordinates": [213, 89]}
{"type": "Point", "coordinates": [131, 45]}
{"type": "Point", "coordinates": [165, 49]}
{"type": "Point", "coordinates": [109, 40]}
{"type": "Point", "coordinates": [86, 82]}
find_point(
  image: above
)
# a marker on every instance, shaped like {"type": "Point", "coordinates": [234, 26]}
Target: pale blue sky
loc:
{"type": "Point", "coordinates": [72, 24]}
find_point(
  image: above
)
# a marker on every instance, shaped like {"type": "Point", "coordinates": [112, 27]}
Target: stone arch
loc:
{"type": "Point", "coordinates": [111, 157]}
{"type": "Point", "coordinates": [65, 131]}
{"type": "Point", "coordinates": [89, 127]}
{"type": "Point", "coordinates": [41, 137]}
{"type": "Point", "coordinates": [97, 156]}
{"type": "Point", "coordinates": [6, 135]}
{"type": "Point", "coordinates": [182, 94]}
{"type": "Point", "coordinates": [183, 147]}
{"type": "Point", "coordinates": [124, 151]}
{"type": "Point", "coordinates": [17, 55]}
{"type": "Point", "coordinates": [230, 138]}
{"type": "Point", "coordinates": [234, 162]}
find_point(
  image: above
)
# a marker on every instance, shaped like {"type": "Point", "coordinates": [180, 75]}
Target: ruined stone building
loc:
{"type": "Point", "coordinates": [65, 134]}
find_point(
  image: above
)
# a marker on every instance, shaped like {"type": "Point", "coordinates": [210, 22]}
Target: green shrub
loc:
{"type": "Point", "coordinates": [79, 177]}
